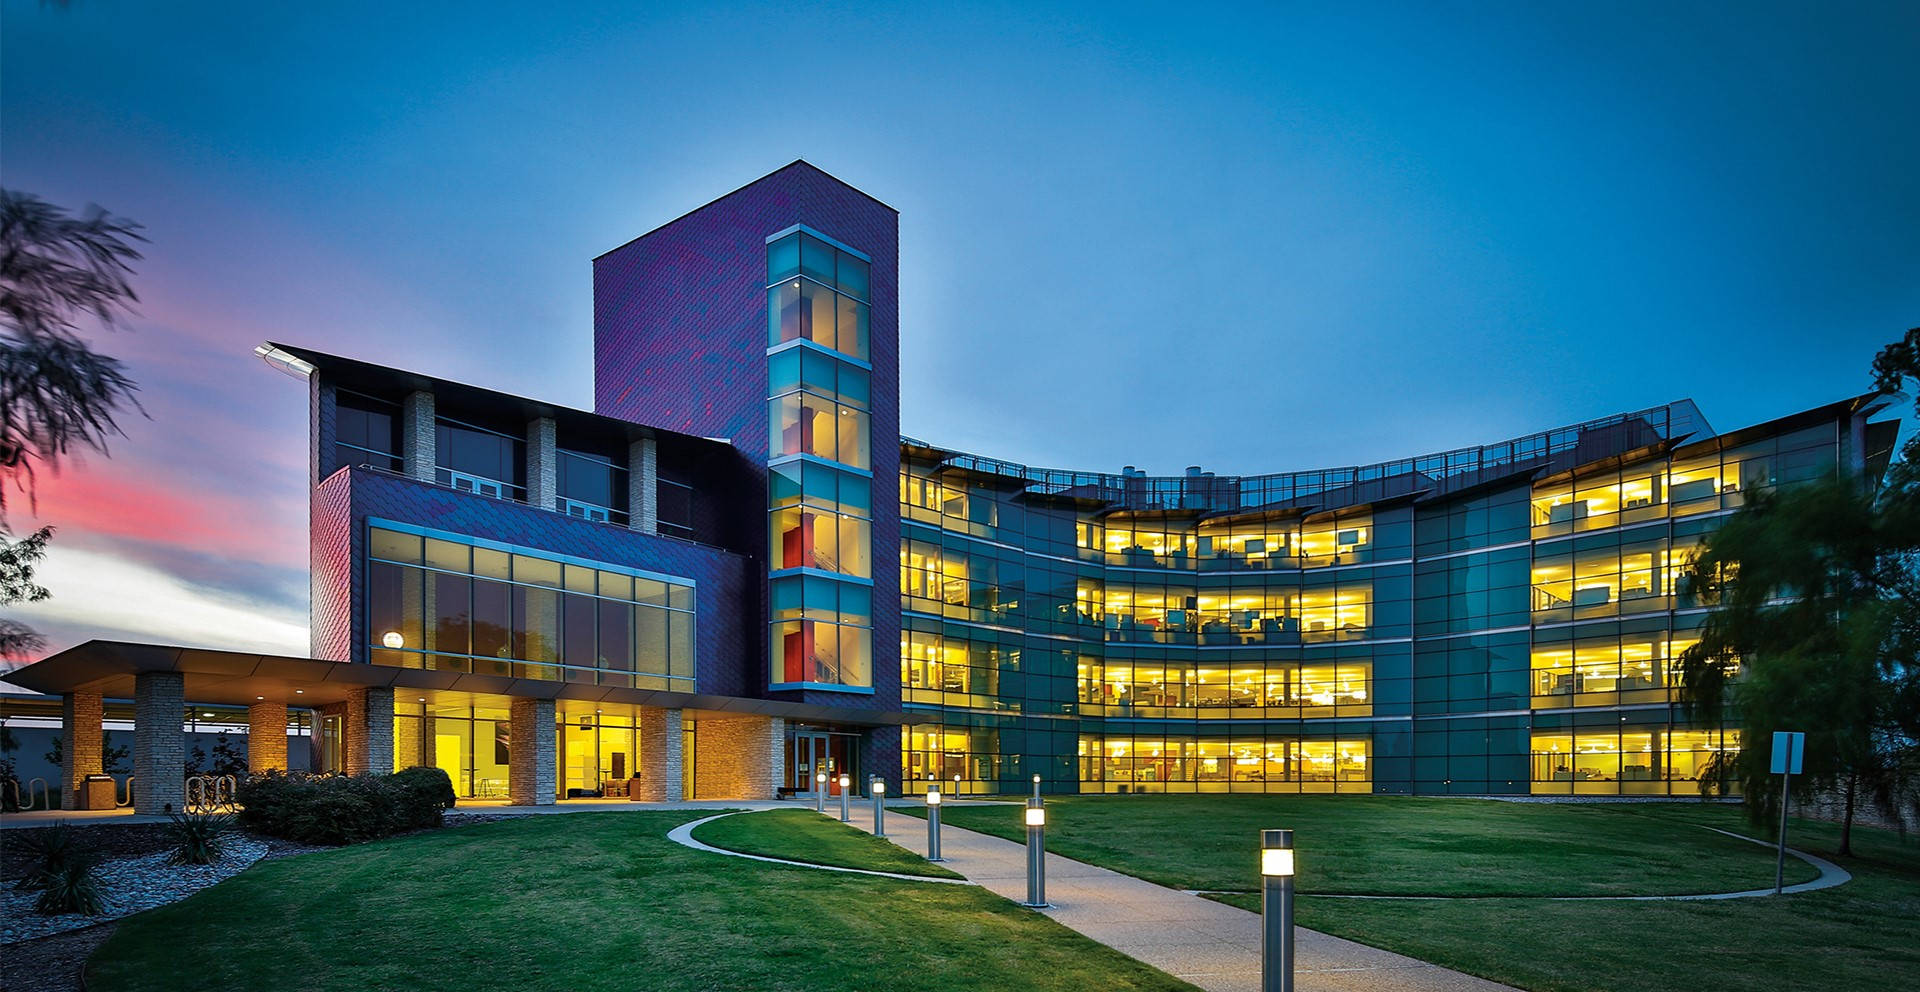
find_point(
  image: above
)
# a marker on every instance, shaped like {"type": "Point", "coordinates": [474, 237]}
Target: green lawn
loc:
{"type": "Point", "coordinates": [803, 835]}
{"type": "Point", "coordinates": [592, 901]}
{"type": "Point", "coordinates": [1390, 845]}
{"type": "Point", "coordinates": [1862, 935]}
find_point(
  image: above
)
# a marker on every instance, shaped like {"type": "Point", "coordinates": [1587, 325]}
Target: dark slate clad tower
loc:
{"type": "Point", "coordinates": [681, 342]}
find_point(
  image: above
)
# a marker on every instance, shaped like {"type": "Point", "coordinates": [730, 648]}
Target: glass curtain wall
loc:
{"type": "Point", "coordinates": [820, 521]}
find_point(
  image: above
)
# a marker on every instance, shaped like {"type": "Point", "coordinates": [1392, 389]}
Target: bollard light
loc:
{"type": "Point", "coordinates": [1276, 911]}
{"type": "Point", "coordinates": [844, 783]}
{"type": "Point", "coordinates": [1036, 854]}
{"type": "Point", "coordinates": [879, 790]}
{"type": "Point", "coordinates": [820, 792]}
{"type": "Point", "coordinates": [1036, 787]}
{"type": "Point", "coordinates": [933, 823]}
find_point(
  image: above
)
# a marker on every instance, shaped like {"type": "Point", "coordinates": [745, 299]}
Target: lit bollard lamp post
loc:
{"type": "Point", "coordinates": [933, 823]}
{"type": "Point", "coordinates": [1276, 911]}
{"type": "Point", "coordinates": [820, 792]}
{"type": "Point", "coordinates": [1036, 855]}
{"type": "Point", "coordinates": [844, 783]}
{"type": "Point", "coordinates": [879, 791]}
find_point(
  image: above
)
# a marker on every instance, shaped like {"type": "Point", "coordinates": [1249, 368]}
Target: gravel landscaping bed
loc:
{"type": "Point", "coordinates": [107, 841]}
{"type": "Point", "coordinates": [127, 885]}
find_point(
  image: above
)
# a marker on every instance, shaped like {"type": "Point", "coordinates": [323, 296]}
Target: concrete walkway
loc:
{"type": "Point", "coordinates": [683, 835]}
{"type": "Point", "coordinates": [1211, 944]}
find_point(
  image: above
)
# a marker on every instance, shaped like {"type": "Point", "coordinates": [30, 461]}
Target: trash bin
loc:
{"type": "Point", "coordinates": [98, 792]}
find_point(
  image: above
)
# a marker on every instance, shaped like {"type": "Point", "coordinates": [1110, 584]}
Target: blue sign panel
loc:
{"type": "Point", "coordinates": [1789, 752]}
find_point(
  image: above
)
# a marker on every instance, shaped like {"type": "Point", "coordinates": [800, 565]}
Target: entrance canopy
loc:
{"type": "Point", "coordinates": [242, 679]}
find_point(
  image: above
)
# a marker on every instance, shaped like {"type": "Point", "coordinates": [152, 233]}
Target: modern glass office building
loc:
{"type": "Point", "coordinates": [685, 592]}
{"type": "Point", "coordinates": [1504, 619]}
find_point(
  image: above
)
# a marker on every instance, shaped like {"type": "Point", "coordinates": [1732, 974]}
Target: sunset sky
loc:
{"type": "Point", "coordinates": [1122, 228]}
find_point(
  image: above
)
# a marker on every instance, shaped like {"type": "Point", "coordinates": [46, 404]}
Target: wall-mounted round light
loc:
{"type": "Point", "coordinates": [393, 639]}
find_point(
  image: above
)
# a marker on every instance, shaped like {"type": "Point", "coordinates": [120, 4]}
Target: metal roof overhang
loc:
{"type": "Point", "coordinates": [240, 678]}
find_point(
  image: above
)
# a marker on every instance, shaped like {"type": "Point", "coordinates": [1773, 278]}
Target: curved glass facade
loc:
{"type": "Point", "coordinates": [1504, 619]}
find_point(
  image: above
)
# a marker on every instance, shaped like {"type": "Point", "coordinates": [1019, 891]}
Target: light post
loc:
{"type": "Point", "coordinates": [844, 783]}
{"type": "Point", "coordinates": [1276, 911]}
{"type": "Point", "coordinates": [820, 792]}
{"type": "Point", "coordinates": [1036, 787]}
{"type": "Point", "coordinates": [933, 823]}
{"type": "Point", "coordinates": [1036, 854]}
{"type": "Point", "coordinates": [879, 790]}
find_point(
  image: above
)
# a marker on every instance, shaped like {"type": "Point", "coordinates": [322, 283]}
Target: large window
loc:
{"type": "Point", "coordinates": [1632, 761]}
{"type": "Point", "coordinates": [591, 486]}
{"type": "Point", "coordinates": [1255, 763]}
{"type": "Point", "coordinates": [366, 432]}
{"type": "Point", "coordinates": [440, 603]}
{"type": "Point", "coordinates": [475, 459]}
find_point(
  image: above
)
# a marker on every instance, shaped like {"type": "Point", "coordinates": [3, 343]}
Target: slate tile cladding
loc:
{"type": "Point", "coordinates": [680, 341]}
{"type": "Point", "coordinates": [729, 624]}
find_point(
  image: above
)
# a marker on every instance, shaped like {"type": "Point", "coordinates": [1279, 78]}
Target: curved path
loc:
{"type": "Point", "coordinates": [683, 835]}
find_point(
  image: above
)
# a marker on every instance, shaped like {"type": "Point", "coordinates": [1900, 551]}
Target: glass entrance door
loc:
{"type": "Point", "coordinates": [809, 758]}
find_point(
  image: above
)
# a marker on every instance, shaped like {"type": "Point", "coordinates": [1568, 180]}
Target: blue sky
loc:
{"type": "Point", "coordinates": [1261, 238]}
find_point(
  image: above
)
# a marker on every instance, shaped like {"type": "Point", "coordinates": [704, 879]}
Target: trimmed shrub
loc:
{"type": "Point", "coordinates": [429, 794]}
{"type": "Point", "coordinates": [339, 810]}
{"type": "Point", "coordinates": [198, 839]}
{"type": "Point", "coordinates": [70, 889]}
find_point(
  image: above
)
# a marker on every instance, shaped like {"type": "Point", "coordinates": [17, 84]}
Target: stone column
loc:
{"type": "Point", "coordinates": [84, 744]}
{"type": "Point", "coordinates": [662, 758]}
{"type": "Point", "coordinates": [777, 757]}
{"type": "Point", "coordinates": [530, 753]}
{"type": "Point", "coordinates": [408, 742]}
{"type": "Point", "coordinates": [370, 731]}
{"type": "Point", "coordinates": [266, 737]}
{"type": "Point", "coordinates": [543, 463]}
{"type": "Point", "coordinates": [643, 486]}
{"type": "Point", "coordinates": [159, 742]}
{"type": "Point", "coordinates": [417, 435]}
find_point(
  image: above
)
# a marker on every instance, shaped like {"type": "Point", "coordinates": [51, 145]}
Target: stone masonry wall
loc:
{"type": "Point", "coordinates": [738, 757]}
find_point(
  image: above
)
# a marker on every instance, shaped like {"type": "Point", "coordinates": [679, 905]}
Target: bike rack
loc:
{"type": "Point", "coordinates": [207, 793]}
{"type": "Point", "coordinates": [127, 799]}
{"type": "Point", "coordinates": [46, 794]}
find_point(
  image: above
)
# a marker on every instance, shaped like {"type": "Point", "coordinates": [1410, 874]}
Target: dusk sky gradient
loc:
{"type": "Point", "coordinates": [1258, 239]}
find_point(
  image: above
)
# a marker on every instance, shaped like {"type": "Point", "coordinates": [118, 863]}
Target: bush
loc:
{"type": "Point", "coordinates": [340, 810]}
{"type": "Point", "coordinates": [54, 848]}
{"type": "Point", "coordinates": [198, 839]}
{"type": "Point", "coordinates": [70, 889]}
{"type": "Point", "coordinates": [429, 794]}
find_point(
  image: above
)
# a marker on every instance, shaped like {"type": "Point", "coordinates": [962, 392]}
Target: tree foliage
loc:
{"type": "Point", "coordinates": [17, 561]}
{"type": "Point", "coordinates": [57, 395]}
{"type": "Point", "coordinates": [1818, 589]}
